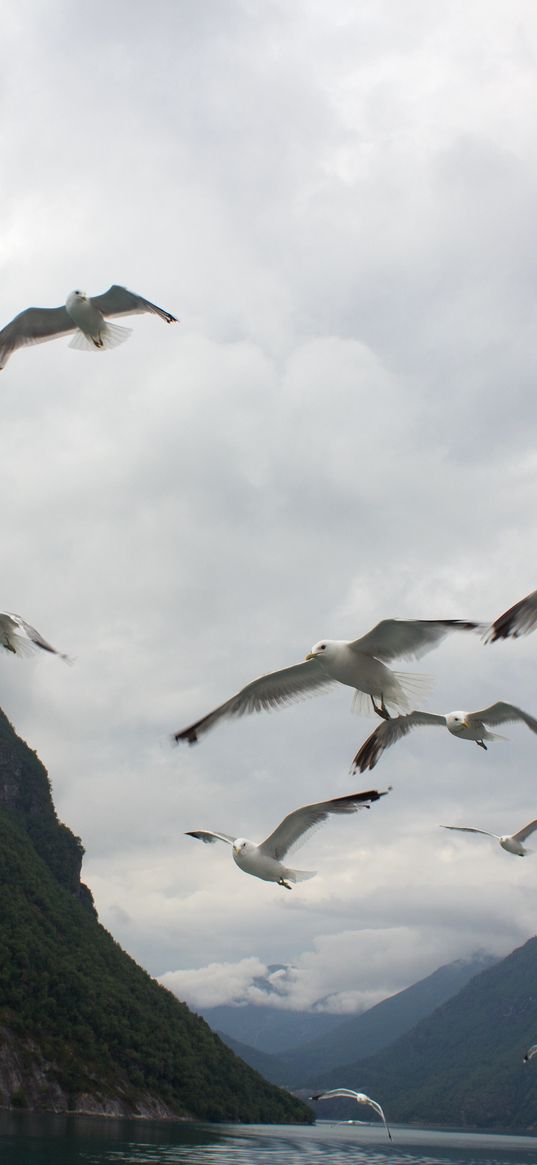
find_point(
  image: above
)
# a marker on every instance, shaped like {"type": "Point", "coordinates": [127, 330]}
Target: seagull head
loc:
{"type": "Point", "coordinates": [324, 647]}
{"type": "Point", "coordinates": [240, 845]}
{"type": "Point", "coordinates": [74, 298]}
{"type": "Point", "coordinates": [457, 721]}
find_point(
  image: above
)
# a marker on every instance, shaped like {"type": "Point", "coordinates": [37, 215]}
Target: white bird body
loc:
{"type": "Point", "coordinates": [531, 1052]}
{"type": "Point", "coordinates": [513, 846]}
{"type": "Point", "coordinates": [265, 860]}
{"type": "Point", "coordinates": [360, 664]}
{"type": "Point", "coordinates": [467, 726]}
{"type": "Point", "coordinates": [363, 672]}
{"type": "Point", "coordinates": [92, 330]}
{"type": "Point", "coordinates": [512, 842]}
{"type": "Point", "coordinates": [464, 725]}
{"type": "Point", "coordinates": [251, 858]}
{"type": "Point", "coordinates": [82, 316]}
{"type": "Point", "coordinates": [359, 1097]}
{"type": "Point", "coordinates": [20, 638]}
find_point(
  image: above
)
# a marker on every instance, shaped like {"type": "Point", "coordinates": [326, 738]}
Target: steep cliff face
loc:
{"type": "Point", "coordinates": [82, 1026]}
{"type": "Point", "coordinates": [26, 796]}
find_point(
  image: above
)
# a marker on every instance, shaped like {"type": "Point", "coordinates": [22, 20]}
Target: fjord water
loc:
{"type": "Point", "coordinates": [74, 1140]}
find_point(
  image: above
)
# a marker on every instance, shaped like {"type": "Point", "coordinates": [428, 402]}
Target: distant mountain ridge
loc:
{"type": "Point", "coordinates": [363, 1034]}
{"type": "Point", "coordinates": [463, 1064]}
{"type": "Point", "coordinates": [82, 1026]}
{"type": "Point", "coordinates": [268, 1028]}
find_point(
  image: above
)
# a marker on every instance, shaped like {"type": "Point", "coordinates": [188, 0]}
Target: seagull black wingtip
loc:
{"type": "Point", "coordinates": [189, 735]}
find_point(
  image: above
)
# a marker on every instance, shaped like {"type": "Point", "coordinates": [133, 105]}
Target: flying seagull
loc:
{"type": "Point", "coordinates": [518, 620]}
{"type": "Point", "coordinates": [82, 315]}
{"type": "Point", "coordinates": [465, 725]}
{"type": "Point", "coordinates": [360, 664]}
{"type": "Point", "coordinates": [511, 842]}
{"type": "Point", "coordinates": [266, 860]}
{"type": "Point", "coordinates": [531, 1052]}
{"type": "Point", "coordinates": [19, 637]}
{"type": "Point", "coordinates": [360, 1097]}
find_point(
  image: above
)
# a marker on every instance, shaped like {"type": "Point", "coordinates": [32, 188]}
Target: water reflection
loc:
{"type": "Point", "coordinates": [63, 1140]}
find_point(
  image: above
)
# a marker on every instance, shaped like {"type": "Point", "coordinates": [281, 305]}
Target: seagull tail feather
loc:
{"type": "Point", "coordinates": [408, 691]}
{"type": "Point", "coordinates": [109, 336]}
{"type": "Point", "coordinates": [299, 875]}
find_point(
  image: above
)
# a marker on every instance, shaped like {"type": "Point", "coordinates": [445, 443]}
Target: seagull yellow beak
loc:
{"type": "Point", "coordinates": [311, 655]}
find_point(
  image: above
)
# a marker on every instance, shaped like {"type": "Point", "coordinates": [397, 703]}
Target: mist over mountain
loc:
{"type": "Point", "coordinates": [356, 1035]}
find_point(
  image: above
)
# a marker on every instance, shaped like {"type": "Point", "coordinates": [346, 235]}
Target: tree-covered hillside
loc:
{"type": "Point", "coordinates": [463, 1064]}
{"type": "Point", "coordinates": [81, 1024]}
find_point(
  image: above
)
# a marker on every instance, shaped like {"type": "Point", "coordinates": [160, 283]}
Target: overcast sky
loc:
{"type": "Point", "coordinates": [338, 202]}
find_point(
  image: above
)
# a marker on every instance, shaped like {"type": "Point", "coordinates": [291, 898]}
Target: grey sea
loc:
{"type": "Point", "coordinates": [60, 1140]}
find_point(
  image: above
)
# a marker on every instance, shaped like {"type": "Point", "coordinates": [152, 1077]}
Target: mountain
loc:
{"type": "Point", "coordinates": [82, 1026]}
{"type": "Point", "coordinates": [362, 1034]}
{"type": "Point", "coordinates": [268, 1028]}
{"type": "Point", "coordinates": [462, 1065]}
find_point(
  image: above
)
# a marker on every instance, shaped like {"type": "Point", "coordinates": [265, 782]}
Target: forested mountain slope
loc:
{"type": "Point", "coordinates": [463, 1064]}
{"type": "Point", "coordinates": [82, 1026]}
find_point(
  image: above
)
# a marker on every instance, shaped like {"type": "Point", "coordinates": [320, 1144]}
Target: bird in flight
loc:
{"type": "Point", "coordinates": [510, 842]}
{"type": "Point", "coordinates": [265, 861]}
{"type": "Point", "coordinates": [359, 1097]}
{"type": "Point", "coordinates": [82, 315]}
{"type": "Point", "coordinates": [464, 725]}
{"type": "Point", "coordinates": [19, 637]}
{"type": "Point", "coordinates": [531, 1052]}
{"type": "Point", "coordinates": [360, 664]}
{"type": "Point", "coordinates": [520, 619]}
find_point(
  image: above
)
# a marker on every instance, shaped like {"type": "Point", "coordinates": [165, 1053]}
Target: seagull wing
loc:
{"type": "Point", "coordinates": [208, 837]}
{"type": "Point", "coordinates": [388, 733]}
{"type": "Point", "coordinates": [518, 620]}
{"type": "Point", "coordinates": [269, 691]}
{"type": "Point", "coordinates": [334, 1092]}
{"type": "Point", "coordinates": [502, 713]}
{"type": "Point", "coordinates": [293, 827]}
{"type": "Point", "coordinates": [526, 831]}
{"type": "Point", "coordinates": [117, 301]}
{"type": "Point", "coordinates": [362, 1098]}
{"type": "Point", "coordinates": [469, 829]}
{"type": "Point", "coordinates": [33, 326]}
{"type": "Point", "coordinates": [531, 1052]}
{"type": "Point", "coordinates": [409, 638]}
{"type": "Point", "coordinates": [25, 636]}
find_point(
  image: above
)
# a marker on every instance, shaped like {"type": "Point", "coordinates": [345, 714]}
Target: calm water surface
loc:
{"type": "Point", "coordinates": [62, 1140]}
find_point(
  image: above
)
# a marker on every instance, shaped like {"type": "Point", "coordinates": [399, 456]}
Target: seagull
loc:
{"type": "Point", "coordinates": [511, 842]}
{"type": "Point", "coordinates": [83, 315]}
{"type": "Point", "coordinates": [531, 1052]}
{"type": "Point", "coordinates": [518, 620]}
{"type": "Point", "coordinates": [360, 1097]}
{"type": "Point", "coordinates": [359, 663]}
{"type": "Point", "coordinates": [19, 637]}
{"type": "Point", "coordinates": [465, 725]}
{"type": "Point", "coordinates": [265, 860]}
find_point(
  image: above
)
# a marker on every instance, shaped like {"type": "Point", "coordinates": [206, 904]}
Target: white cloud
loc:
{"type": "Point", "coordinates": [217, 983]}
{"type": "Point", "coordinates": [338, 203]}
